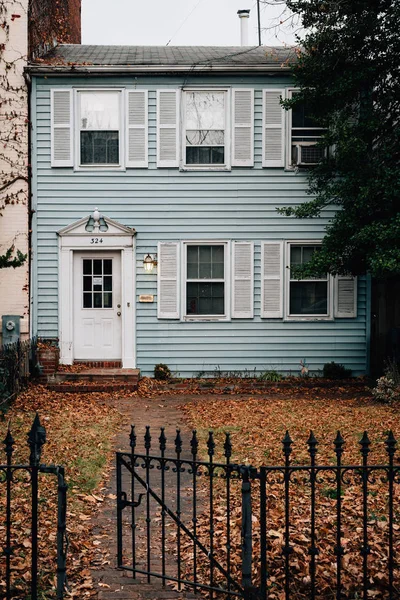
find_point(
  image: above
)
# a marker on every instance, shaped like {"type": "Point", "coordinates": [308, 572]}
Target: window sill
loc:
{"type": "Point", "coordinates": [204, 319]}
{"type": "Point", "coordinates": [308, 318]}
{"type": "Point", "coordinates": [204, 168]}
{"type": "Point", "coordinates": [94, 168]}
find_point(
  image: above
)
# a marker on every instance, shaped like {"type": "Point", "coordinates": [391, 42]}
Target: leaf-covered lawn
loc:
{"type": "Point", "coordinates": [257, 426]}
{"type": "Point", "coordinates": [80, 429]}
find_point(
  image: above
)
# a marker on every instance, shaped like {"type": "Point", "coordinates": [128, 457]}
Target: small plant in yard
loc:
{"type": "Point", "coordinates": [162, 372]}
{"type": "Point", "coordinates": [387, 388]}
{"type": "Point", "coordinates": [304, 368]}
{"type": "Point", "coordinates": [334, 370]}
{"type": "Point", "coordinates": [270, 376]}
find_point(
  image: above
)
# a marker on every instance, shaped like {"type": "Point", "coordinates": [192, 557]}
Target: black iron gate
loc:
{"type": "Point", "coordinates": [173, 508]}
{"type": "Point", "coordinates": [9, 472]}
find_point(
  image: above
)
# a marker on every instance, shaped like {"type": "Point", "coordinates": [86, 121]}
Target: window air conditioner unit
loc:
{"type": "Point", "coordinates": [307, 154]}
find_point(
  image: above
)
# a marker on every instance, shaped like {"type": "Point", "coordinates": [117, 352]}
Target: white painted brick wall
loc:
{"type": "Point", "coordinates": [14, 293]}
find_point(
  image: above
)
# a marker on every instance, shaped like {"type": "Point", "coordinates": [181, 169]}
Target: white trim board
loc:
{"type": "Point", "coordinates": [118, 238]}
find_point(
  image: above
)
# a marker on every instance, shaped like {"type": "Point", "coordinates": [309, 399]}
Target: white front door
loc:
{"type": "Point", "coordinates": [97, 306]}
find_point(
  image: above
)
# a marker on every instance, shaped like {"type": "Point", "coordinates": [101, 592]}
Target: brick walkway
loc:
{"type": "Point", "coordinates": [109, 582]}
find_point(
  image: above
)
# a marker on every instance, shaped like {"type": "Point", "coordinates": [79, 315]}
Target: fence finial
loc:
{"type": "Point", "coordinates": [178, 442]}
{"type": "Point", "coordinates": [312, 444]}
{"type": "Point", "coordinates": [132, 438]}
{"type": "Point", "coordinates": [210, 443]}
{"type": "Point", "coordinates": [162, 440]}
{"type": "Point", "coordinates": [228, 445]}
{"type": "Point", "coordinates": [147, 438]}
{"type": "Point", "coordinates": [339, 443]}
{"type": "Point", "coordinates": [391, 443]}
{"type": "Point", "coordinates": [287, 444]}
{"type": "Point", "coordinates": [194, 443]}
{"type": "Point", "coordinates": [36, 439]}
{"type": "Point", "coordinates": [365, 444]}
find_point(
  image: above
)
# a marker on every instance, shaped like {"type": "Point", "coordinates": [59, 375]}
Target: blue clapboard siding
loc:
{"type": "Point", "coordinates": [171, 205]}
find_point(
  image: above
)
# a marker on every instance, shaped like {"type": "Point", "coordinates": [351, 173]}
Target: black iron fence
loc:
{"type": "Point", "coordinates": [316, 530]}
{"type": "Point", "coordinates": [18, 363]}
{"type": "Point", "coordinates": [22, 547]}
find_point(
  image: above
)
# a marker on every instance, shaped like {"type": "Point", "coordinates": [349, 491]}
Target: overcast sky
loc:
{"type": "Point", "coordinates": [179, 22]}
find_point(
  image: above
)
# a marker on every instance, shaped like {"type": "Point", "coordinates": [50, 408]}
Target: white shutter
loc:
{"type": "Point", "coordinates": [61, 128]}
{"type": "Point", "coordinates": [346, 297]}
{"type": "Point", "coordinates": [243, 128]}
{"type": "Point", "coordinates": [167, 128]}
{"type": "Point", "coordinates": [168, 280]}
{"type": "Point", "coordinates": [273, 129]}
{"type": "Point", "coordinates": [272, 280]}
{"type": "Point", "coordinates": [242, 280]}
{"type": "Point", "coordinates": [136, 137]}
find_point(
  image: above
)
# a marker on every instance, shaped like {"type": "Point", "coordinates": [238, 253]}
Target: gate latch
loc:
{"type": "Point", "coordinates": [123, 501]}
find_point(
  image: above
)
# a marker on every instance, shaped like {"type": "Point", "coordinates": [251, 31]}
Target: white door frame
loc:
{"type": "Point", "coordinates": [75, 238]}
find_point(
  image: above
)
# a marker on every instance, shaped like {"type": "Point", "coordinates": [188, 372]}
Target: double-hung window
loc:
{"type": "Point", "coordinates": [99, 123]}
{"type": "Point", "coordinates": [305, 136]}
{"type": "Point", "coordinates": [205, 129]}
{"type": "Point", "coordinates": [205, 285]}
{"type": "Point", "coordinates": [307, 297]}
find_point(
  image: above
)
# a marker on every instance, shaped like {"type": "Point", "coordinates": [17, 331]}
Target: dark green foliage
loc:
{"type": "Point", "coordinates": [333, 370]}
{"type": "Point", "coordinates": [162, 372]}
{"type": "Point", "coordinates": [9, 260]}
{"type": "Point", "coordinates": [349, 75]}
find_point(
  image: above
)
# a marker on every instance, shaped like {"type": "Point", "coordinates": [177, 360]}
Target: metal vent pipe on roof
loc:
{"type": "Point", "coordinates": [244, 26]}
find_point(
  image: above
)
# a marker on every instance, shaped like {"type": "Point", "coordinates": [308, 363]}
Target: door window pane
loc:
{"type": "Point", "coordinates": [97, 287]}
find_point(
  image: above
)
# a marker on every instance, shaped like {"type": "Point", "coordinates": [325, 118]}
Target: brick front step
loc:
{"type": "Point", "coordinates": [94, 380]}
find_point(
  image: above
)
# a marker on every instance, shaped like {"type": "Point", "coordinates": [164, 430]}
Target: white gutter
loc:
{"type": "Point", "coordinates": [152, 68]}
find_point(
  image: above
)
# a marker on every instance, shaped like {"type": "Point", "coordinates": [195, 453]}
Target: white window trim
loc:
{"type": "Point", "coordinates": [330, 282]}
{"type": "Point", "coordinates": [288, 161]}
{"type": "Point", "coordinates": [227, 272]}
{"type": "Point", "coordinates": [76, 130]}
{"type": "Point", "coordinates": [182, 125]}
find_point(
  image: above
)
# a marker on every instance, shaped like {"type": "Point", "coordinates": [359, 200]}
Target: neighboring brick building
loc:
{"type": "Point", "coordinates": [27, 28]}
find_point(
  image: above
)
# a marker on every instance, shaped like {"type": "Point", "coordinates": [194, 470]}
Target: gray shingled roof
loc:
{"type": "Point", "coordinates": [169, 56]}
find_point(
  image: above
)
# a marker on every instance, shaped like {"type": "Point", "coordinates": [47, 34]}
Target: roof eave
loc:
{"type": "Point", "coordinates": [63, 69]}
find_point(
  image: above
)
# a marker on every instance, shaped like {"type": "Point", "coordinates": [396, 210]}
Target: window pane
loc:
{"type": "Point", "coordinates": [98, 300]}
{"type": "Point", "coordinates": [87, 267]}
{"type": "Point", "coordinates": [205, 262]}
{"type": "Point", "coordinates": [308, 298]}
{"type": "Point", "coordinates": [205, 298]}
{"type": "Point", "coordinates": [205, 138]}
{"type": "Point", "coordinates": [87, 284]}
{"type": "Point", "coordinates": [205, 110]}
{"type": "Point", "coordinates": [295, 255]}
{"type": "Point", "coordinates": [87, 300]}
{"type": "Point", "coordinates": [301, 116]}
{"type": "Point", "coordinates": [107, 267]}
{"type": "Point", "coordinates": [99, 110]}
{"type": "Point", "coordinates": [99, 147]}
{"type": "Point", "coordinates": [97, 267]}
{"type": "Point", "coordinates": [107, 284]}
{"type": "Point", "coordinates": [107, 300]}
{"type": "Point", "coordinates": [308, 251]}
{"type": "Point", "coordinates": [203, 155]}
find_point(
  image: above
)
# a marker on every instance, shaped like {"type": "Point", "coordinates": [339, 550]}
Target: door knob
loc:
{"type": "Point", "coordinates": [118, 306]}
{"type": "Point", "coordinates": [118, 314]}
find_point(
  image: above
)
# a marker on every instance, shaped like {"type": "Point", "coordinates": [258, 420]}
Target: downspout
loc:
{"type": "Point", "coordinates": [28, 81]}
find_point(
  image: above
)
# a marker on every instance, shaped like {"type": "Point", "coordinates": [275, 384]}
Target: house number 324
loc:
{"type": "Point", "coordinates": [96, 240]}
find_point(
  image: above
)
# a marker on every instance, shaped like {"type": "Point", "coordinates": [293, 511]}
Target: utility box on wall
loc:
{"type": "Point", "coordinates": [11, 329]}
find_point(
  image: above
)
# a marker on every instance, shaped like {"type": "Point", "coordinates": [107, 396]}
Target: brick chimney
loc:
{"type": "Point", "coordinates": [53, 22]}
